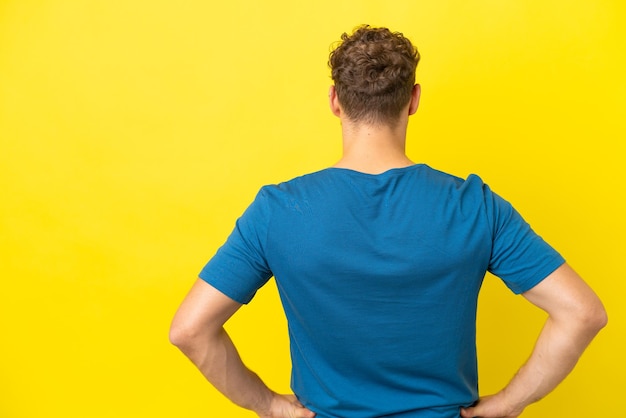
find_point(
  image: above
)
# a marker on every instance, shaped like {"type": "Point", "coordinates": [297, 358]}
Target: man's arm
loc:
{"type": "Point", "coordinates": [198, 331]}
{"type": "Point", "coordinates": [575, 315]}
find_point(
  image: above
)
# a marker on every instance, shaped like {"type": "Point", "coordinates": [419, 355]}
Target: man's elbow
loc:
{"type": "Point", "coordinates": [183, 334]}
{"type": "Point", "coordinates": [600, 318]}
{"type": "Point", "coordinates": [178, 335]}
{"type": "Point", "coordinates": [594, 317]}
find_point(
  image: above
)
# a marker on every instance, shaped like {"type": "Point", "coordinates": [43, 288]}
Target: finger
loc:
{"type": "Point", "coordinates": [300, 410]}
{"type": "Point", "coordinates": [468, 412]}
{"type": "Point", "coordinates": [304, 413]}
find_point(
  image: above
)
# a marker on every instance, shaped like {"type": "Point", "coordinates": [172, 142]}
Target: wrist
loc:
{"type": "Point", "coordinates": [513, 403]}
{"type": "Point", "coordinates": [263, 405]}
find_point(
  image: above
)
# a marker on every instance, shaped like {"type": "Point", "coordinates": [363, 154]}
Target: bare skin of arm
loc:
{"type": "Point", "coordinates": [198, 331]}
{"type": "Point", "coordinates": [575, 315]}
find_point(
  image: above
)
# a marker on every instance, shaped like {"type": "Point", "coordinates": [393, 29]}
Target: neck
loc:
{"type": "Point", "coordinates": [373, 148]}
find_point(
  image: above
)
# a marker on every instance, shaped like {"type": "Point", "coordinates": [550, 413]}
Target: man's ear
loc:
{"type": "Point", "coordinates": [333, 101]}
{"type": "Point", "coordinates": [415, 99]}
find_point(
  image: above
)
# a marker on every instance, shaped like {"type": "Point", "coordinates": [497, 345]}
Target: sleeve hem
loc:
{"type": "Point", "coordinates": [540, 276]}
{"type": "Point", "coordinates": [228, 292]}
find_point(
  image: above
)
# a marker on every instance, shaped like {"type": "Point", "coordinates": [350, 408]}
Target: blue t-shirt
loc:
{"type": "Point", "coordinates": [379, 277]}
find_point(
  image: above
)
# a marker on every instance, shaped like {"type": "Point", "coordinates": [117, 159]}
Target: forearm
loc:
{"type": "Point", "coordinates": [216, 357]}
{"type": "Point", "coordinates": [558, 348]}
{"type": "Point", "coordinates": [197, 330]}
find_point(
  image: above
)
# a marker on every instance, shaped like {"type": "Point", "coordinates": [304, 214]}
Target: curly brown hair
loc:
{"type": "Point", "coordinates": [374, 73]}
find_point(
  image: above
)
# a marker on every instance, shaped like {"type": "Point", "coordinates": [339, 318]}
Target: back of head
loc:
{"type": "Point", "coordinates": [374, 73]}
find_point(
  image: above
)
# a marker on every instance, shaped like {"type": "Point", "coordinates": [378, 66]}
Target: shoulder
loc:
{"type": "Point", "coordinates": [296, 186]}
{"type": "Point", "coordinates": [444, 178]}
{"type": "Point", "coordinates": [291, 195]}
{"type": "Point", "coordinates": [468, 189]}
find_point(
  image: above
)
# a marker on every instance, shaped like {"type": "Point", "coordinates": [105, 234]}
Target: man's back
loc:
{"type": "Point", "coordinates": [379, 277]}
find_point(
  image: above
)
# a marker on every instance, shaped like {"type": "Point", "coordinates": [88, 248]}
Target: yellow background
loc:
{"type": "Point", "coordinates": [134, 133]}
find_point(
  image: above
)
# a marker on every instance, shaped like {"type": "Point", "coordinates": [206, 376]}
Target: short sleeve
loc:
{"type": "Point", "coordinates": [519, 256]}
{"type": "Point", "coordinates": [239, 268]}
